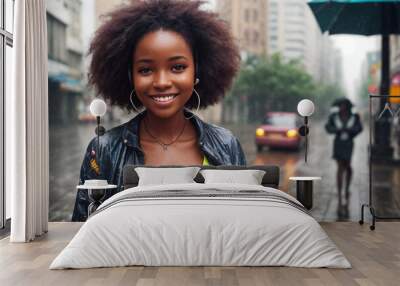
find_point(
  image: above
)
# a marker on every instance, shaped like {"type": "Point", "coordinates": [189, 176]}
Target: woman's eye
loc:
{"type": "Point", "coordinates": [179, 67]}
{"type": "Point", "coordinates": [144, 71]}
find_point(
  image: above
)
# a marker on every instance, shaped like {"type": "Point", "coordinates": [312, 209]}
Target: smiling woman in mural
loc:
{"type": "Point", "coordinates": [160, 59]}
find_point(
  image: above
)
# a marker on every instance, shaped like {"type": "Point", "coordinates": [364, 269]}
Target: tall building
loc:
{"type": "Point", "coordinates": [330, 62]}
{"type": "Point", "coordinates": [247, 19]}
{"type": "Point", "coordinates": [294, 33]}
{"type": "Point", "coordinates": [337, 74]}
{"type": "Point", "coordinates": [65, 52]}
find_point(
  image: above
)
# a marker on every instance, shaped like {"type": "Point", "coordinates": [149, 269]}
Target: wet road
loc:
{"type": "Point", "coordinates": [67, 146]}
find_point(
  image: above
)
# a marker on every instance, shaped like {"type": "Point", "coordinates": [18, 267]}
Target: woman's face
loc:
{"type": "Point", "coordinates": [163, 72]}
{"type": "Point", "coordinates": [344, 108]}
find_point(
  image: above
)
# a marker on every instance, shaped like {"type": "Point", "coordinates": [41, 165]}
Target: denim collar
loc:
{"type": "Point", "coordinates": [130, 133]}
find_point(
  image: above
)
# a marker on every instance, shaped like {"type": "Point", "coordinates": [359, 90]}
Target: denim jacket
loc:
{"type": "Point", "coordinates": [120, 146]}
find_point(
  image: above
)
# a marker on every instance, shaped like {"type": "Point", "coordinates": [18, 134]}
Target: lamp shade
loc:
{"type": "Point", "coordinates": [305, 107]}
{"type": "Point", "coordinates": [98, 107]}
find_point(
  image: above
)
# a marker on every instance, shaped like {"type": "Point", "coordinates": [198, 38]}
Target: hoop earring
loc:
{"type": "Point", "coordinates": [131, 100]}
{"type": "Point", "coordinates": [198, 105]}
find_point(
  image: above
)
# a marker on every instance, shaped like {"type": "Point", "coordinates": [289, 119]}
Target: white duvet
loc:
{"type": "Point", "coordinates": [224, 225]}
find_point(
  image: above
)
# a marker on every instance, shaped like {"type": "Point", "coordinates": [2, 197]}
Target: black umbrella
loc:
{"type": "Point", "coordinates": [343, 100]}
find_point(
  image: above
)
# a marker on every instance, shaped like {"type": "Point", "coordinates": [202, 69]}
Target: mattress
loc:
{"type": "Point", "coordinates": [201, 225]}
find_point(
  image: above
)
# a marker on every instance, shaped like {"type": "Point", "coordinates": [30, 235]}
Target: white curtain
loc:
{"type": "Point", "coordinates": [27, 143]}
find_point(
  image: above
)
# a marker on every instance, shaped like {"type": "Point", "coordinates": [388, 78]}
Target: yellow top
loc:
{"type": "Point", "coordinates": [205, 161]}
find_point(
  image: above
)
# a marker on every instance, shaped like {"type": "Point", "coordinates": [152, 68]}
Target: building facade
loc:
{"type": "Point", "coordinates": [247, 19]}
{"type": "Point", "coordinates": [395, 55]}
{"type": "Point", "coordinates": [370, 74]}
{"type": "Point", "coordinates": [288, 28]}
{"type": "Point", "coordinates": [330, 65]}
{"type": "Point", "coordinates": [395, 74]}
{"type": "Point", "coordinates": [293, 32]}
{"type": "Point", "coordinates": [65, 51]}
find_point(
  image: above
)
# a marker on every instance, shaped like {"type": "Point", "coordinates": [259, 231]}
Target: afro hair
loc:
{"type": "Point", "coordinates": [215, 53]}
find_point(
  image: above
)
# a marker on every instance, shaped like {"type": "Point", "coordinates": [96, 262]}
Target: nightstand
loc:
{"type": "Point", "coordinates": [304, 190]}
{"type": "Point", "coordinates": [96, 193]}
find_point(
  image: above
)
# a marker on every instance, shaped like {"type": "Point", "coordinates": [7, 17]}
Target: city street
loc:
{"type": "Point", "coordinates": [67, 146]}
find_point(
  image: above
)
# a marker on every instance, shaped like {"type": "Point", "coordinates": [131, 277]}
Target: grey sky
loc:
{"type": "Point", "coordinates": [354, 49]}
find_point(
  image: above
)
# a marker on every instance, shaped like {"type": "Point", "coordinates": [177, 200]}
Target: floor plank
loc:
{"type": "Point", "coordinates": [374, 255]}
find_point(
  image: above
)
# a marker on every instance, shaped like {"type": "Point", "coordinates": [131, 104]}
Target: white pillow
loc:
{"type": "Point", "coordinates": [248, 177]}
{"type": "Point", "coordinates": [162, 176]}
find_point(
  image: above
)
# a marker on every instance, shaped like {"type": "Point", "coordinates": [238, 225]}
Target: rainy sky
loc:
{"type": "Point", "coordinates": [354, 49]}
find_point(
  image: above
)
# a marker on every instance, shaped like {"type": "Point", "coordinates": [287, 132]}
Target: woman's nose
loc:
{"type": "Point", "coordinates": [161, 80]}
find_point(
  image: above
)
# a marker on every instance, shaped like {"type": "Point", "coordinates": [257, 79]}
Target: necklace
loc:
{"type": "Point", "coordinates": [158, 141]}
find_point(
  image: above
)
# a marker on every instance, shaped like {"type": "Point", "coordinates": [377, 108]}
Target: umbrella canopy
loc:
{"type": "Point", "coordinates": [361, 17]}
{"type": "Point", "coordinates": [342, 100]}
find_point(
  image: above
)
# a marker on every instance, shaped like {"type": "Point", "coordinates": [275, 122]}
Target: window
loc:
{"type": "Point", "coordinates": [273, 28]}
{"type": "Point", "coordinates": [74, 59]}
{"type": "Point", "coordinates": [247, 36]}
{"type": "Point", "coordinates": [281, 119]}
{"type": "Point", "coordinates": [6, 43]}
{"type": "Point", "coordinates": [247, 15]}
{"type": "Point", "coordinates": [255, 37]}
{"type": "Point", "coordinates": [56, 36]}
{"type": "Point", "coordinates": [273, 37]}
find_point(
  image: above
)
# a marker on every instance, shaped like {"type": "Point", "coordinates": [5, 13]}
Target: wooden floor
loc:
{"type": "Point", "coordinates": [374, 255]}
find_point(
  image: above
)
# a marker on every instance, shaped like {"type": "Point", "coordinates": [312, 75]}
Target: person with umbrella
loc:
{"type": "Point", "coordinates": [345, 125]}
{"type": "Point", "coordinates": [365, 17]}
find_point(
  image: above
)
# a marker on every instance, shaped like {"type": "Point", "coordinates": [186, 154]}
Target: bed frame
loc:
{"type": "Point", "coordinates": [270, 179]}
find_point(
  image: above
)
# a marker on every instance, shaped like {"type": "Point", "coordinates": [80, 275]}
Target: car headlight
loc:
{"type": "Point", "coordinates": [291, 133]}
{"type": "Point", "coordinates": [260, 132]}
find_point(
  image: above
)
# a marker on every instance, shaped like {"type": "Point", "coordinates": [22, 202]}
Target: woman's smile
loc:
{"type": "Point", "coordinates": [163, 99]}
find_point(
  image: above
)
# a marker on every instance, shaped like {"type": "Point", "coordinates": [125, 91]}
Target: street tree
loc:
{"type": "Point", "coordinates": [271, 84]}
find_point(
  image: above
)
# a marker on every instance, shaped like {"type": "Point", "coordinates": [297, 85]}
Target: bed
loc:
{"type": "Point", "coordinates": [201, 223]}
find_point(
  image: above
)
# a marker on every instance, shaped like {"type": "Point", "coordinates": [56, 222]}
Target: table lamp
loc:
{"type": "Point", "coordinates": [305, 108]}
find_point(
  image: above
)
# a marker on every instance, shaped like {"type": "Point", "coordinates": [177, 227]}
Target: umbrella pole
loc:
{"type": "Point", "coordinates": [382, 149]}
{"type": "Point", "coordinates": [385, 70]}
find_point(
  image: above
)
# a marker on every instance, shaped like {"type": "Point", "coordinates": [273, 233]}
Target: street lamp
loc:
{"type": "Point", "coordinates": [305, 108]}
{"type": "Point", "coordinates": [98, 108]}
